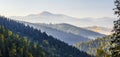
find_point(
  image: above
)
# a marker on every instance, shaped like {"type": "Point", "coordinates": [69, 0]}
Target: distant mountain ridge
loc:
{"type": "Point", "coordinates": [66, 32]}
{"type": "Point", "coordinates": [48, 17]}
{"type": "Point", "coordinates": [75, 30]}
{"type": "Point", "coordinates": [58, 34]}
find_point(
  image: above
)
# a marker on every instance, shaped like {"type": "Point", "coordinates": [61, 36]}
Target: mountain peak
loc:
{"type": "Point", "coordinates": [45, 13]}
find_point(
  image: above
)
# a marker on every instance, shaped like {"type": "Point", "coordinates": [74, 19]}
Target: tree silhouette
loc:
{"type": "Point", "coordinates": [115, 39]}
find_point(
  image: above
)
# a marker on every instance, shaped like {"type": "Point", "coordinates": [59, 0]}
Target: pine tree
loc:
{"type": "Point", "coordinates": [115, 39]}
{"type": "Point", "coordinates": [101, 52]}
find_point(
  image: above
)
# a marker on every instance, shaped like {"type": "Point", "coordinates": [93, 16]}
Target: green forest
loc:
{"type": "Point", "coordinates": [18, 40]}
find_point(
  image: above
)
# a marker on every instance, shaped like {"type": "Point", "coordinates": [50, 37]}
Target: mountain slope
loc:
{"type": "Point", "coordinates": [58, 34]}
{"type": "Point", "coordinates": [74, 30]}
{"type": "Point", "coordinates": [91, 46]}
{"type": "Point", "coordinates": [51, 45]}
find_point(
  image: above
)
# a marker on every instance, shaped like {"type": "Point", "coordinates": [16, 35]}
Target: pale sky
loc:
{"type": "Point", "coordinates": [74, 8]}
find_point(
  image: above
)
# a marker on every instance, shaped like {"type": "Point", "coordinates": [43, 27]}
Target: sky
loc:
{"type": "Point", "coordinates": [74, 8]}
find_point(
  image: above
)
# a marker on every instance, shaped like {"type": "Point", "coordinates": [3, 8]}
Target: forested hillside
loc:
{"type": "Point", "coordinates": [92, 45]}
{"type": "Point", "coordinates": [50, 46]}
{"type": "Point", "coordinates": [12, 45]}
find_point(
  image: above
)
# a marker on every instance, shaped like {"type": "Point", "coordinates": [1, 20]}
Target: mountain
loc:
{"type": "Point", "coordinates": [48, 17]}
{"type": "Point", "coordinates": [92, 46]}
{"type": "Point", "coordinates": [74, 30]}
{"type": "Point", "coordinates": [102, 30]}
{"type": "Point", "coordinates": [58, 34]}
{"type": "Point", "coordinates": [51, 46]}
{"type": "Point", "coordinates": [44, 17]}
